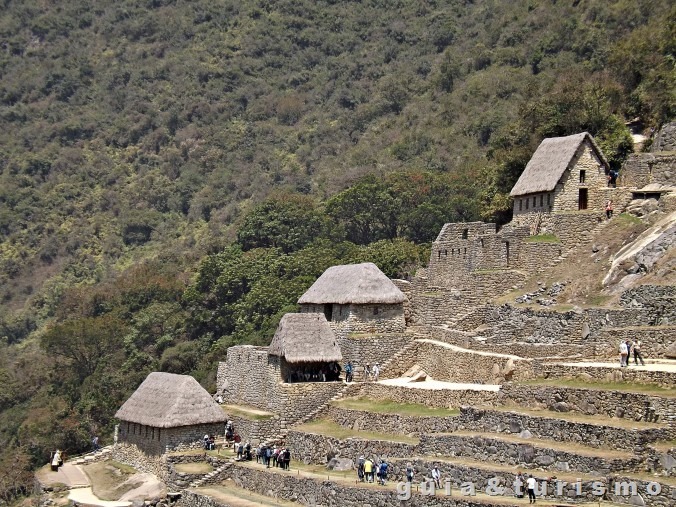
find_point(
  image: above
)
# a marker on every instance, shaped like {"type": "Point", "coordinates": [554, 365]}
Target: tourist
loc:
{"type": "Point", "coordinates": [376, 372]}
{"type": "Point", "coordinates": [206, 442]}
{"type": "Point", "coordinates": [383, 472]}
{"type": "Point", "coordinates": [409, 473]}
{"type": "Point", "coordinates": [436, 476]}
{"type": "Point", "coordinates": [360, 468]}
{"type": "Point", "coordinates": [368, 470]}
{"type": "Point", "coordinates": [239, 449]}
{"type": "Point", "coordinates": [637, 353]}
{"type": "Point", "coordinates": [628, 342]}
{"type": "Point", "coordinates": [367, 372]}
{"type": "Point", "coordinates": [56, 461]}
{"type": "Point", "coordinates": [623, 354]}
{"type": "Point", "coordinates": [609, 210]}
{"type": "Point", "coordinates": [348, 372]}
{"type": "Point", "coordinates": [518, 486]}
{"type": "Point", "coordinates": [286, 458]}
{"type": "Point", "coordinates": [530, 483]}
{"type": "Point", "coordinates": [95, 443]}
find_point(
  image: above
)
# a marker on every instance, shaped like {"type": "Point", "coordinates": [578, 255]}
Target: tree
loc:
{"type": "Point", "coordinates": [85, 342]}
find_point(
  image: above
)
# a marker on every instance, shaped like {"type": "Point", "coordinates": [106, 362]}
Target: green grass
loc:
{"type": "Point", "coordinates": [546, 237]}
{"type": "Point", "coordinates": [629, 387]}
{"type": "Point", "coordinates": [626, 218]}
{"type": "Point", "coordinates": [331, 429]}
{"type": "Point", "coordinates": [250, 413]}
{"type": "Point", "coordinates": [393, 407]}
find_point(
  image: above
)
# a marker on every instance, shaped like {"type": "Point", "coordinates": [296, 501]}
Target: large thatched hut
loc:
{"type": "Point", "coordinates": [169, 412]}
{"type": "Point", "coordinates": [305, 349]}
{"type": "Point", "coordinates": [356, 298]}
{"type": "Point", "coordinates": [564, 174]}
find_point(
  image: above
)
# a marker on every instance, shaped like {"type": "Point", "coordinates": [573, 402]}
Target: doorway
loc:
{"type": "Point", "coordinates": [582, 199]}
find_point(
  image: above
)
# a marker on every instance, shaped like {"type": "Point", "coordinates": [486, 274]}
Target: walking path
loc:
{"type": "Point", "coordinates": [661, 366]}
{"type": "Point", "coordinates": [429, 383]}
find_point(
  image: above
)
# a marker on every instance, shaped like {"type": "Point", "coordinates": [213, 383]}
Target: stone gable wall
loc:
{"type": "Point", "coordinates": [566, 193]}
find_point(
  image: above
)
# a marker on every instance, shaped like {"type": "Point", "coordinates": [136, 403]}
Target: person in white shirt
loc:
{"type": "Point", "coordinates": [623, 354]}
{"type": "Point", "coordinates": [637, 353]}
{"type": "Point", "coordinates": [436, 476]}
{"type": "Point", "coordinates": [530, 484]}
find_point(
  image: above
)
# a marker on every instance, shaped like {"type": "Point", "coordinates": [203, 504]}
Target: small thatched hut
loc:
{"type": "Point", "coordinates": [305, 349]}
{"type": "Point", "coordinates": [356, 298]}
{"type": "Point", "coordinates": [564, 174]}
{"type": "Point", "coordinates": [169, 412]}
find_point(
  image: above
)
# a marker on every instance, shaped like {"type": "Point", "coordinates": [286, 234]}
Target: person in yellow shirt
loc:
{"type": "Point", "coordinates": [368, 470]}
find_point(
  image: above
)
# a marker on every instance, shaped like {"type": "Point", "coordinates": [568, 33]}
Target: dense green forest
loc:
{"type": "Point", "coordinates": [174, 173]}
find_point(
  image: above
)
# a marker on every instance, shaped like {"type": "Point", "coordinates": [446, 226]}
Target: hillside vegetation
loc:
{"type": "Point", "coordinates": [174, 174]}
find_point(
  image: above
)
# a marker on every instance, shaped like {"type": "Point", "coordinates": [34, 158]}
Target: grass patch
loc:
{"type": "Point", "coordinates": [628, 387]}
{"type": "Point", "coordinates": [110, 479]}
{"type": "Point", "coordinates": [626, 218]}
{"type": "Point", "coordinates": [392, 407]}
{"type": "Point", "coordinates": [331, 429]}
{"type": "Point", "coordinates": [194, 468]}
{"type": "Point", "coordinates": [250, 413]}
{"type": "Point", "coordinates": [546, 237]}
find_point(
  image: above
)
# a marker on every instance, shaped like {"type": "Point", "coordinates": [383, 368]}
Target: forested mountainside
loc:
{"type": "Point", "coordinates": [173, 174]}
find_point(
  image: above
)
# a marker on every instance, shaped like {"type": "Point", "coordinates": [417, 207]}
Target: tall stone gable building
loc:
{"type": "Point", "coordinates": [356, 298]}
{"type": "Point", "coordinates": [565, 174]}
{"type": "Point", "coordinates": [169, 412]}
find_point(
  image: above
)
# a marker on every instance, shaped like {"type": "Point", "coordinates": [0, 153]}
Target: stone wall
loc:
{"type": "Point", "coordinates": [311, 448]}
{"type": "Point", "coordinates": [566, 193]}
{"type": "Point", "coordinates": [439, 398]}
{"type": "Point", "coordinates": [444, 362]}
{"type": "Point", "coordinates": [665, 140]}
{"type": "Point", "coordinates": [307, 491]}
{"type": "Point", "coordinates": [611, 437]}
{"type": "Point", "coordinates": [362, 318]}
{"type": "Point", "coordinates": [609, 374]}
{"type": "Point", "coordinates": [642, 169]}
{"type": "Point", "coordinates": [256, 430]}
{"type": "Point", "coordinates": [614, 404]}
{"type": "Point", "coordinates": [390, 423]}
{"type": "Point", "coordinates": [522, 454]}
{"type": "Point", "coordinates": [658, 301]}
{"type": "Point", "coordinates": [159, 440]}
{"type": "Point", "coordinates": [363, 349]}
{"type": "Point", "coordinates": [132, 455]}
{"type": "Point", "coordinates": [655, 340]}
{"type": "Point", "coordinates": [250, 377]}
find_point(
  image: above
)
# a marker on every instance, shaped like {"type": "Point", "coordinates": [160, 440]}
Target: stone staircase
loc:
{"type": "Point", "coordinates": [214, 476]}
{"type": "Point", "coordinates": [91, 457]}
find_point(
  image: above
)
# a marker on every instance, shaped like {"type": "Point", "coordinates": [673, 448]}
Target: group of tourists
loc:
{"type": "Point", "coordinates": [209, 442]}
{"type": "Point", "coordinates": [370, 372]}
{"type": "Point", "coordinates": [626, 348]}
{"type": "Point", "coordinates": [315, 373]}
{"type": "Point", "coordinates": [243, 451]}
{"type": "Point", "coordinates": [370, 470]}
{"type": "Point", "coordinates": [273, 456]}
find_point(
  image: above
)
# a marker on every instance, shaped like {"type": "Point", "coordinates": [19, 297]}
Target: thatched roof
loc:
{"type": "Point", "coordinates": [550, 161]}
{"type": "Point", "coordinates": [305, 338]}
{"type": "Point", "coordinates": [167, 400]}
{"type": "Point", "coordinates": [353, 283]}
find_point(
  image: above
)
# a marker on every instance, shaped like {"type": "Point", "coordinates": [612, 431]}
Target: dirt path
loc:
{"type": "Point", "coordinates": [438, 384]}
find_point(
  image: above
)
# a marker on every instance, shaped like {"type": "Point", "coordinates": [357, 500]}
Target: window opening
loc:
{"type": "Point", "coordinates": [583, 175]}
{"type": "Point", "coordinates": [465, 233]}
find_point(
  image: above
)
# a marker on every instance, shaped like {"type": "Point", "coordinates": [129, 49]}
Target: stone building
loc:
{"type": "Point", "coordinates": [305, 349]}
{"type": "Point", "coordinates": [565, 174]}
{"type": "Point", "coordinates": [169, 412]}
{"type": "Point", "coordinates": [356, 298]}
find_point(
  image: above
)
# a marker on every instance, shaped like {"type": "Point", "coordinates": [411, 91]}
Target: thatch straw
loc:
{"type": "Point", "coordinates": [167, 400]}
{"type": "Point", "coordinates": [305, 338]}
{"type": "Point", "coordinates": [353, 283]}
{"type": "Point", "coordinates": [550, 161]}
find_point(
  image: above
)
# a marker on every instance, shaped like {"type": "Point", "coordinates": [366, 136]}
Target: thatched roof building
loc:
{"type": "Point", "coordinates": [353, 284]}
{"type": "Point", "coordinates": [167, 400]}
{"type": "Point", "coordinates": [550, 161]}
{"type": "Point", "coordinates": [305, 338]}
